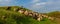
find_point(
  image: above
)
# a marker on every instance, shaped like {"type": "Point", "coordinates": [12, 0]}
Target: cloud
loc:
{"type": "Point", "coordinates": [37, 4]}
{"type": "Point", "coordinates": [48, 6]}
{"type": "Point", "coordinates": [4, 2]}
{"type": "Point", "coordinates": [52, 5]}
{"type": "Point", "coordinates": [9, 2]}
{"type": "Point", "coordinates": [43, 3]}
{"type": "Point", "coordinates": [35, 1]}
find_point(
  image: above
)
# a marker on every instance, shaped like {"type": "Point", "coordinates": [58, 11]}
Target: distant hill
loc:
{"type": "Point", "coordinates": [54, 14]}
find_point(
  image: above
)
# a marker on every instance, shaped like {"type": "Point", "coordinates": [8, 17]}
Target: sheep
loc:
{"type": "Point", "coordinates": [35, 16]}
{"type": "Point", "coordinates": [45, 16]}
{"type": "Point", "coordinates": [4, 17]}
{"type": "Point", "coordinates": [51, 18]}
{"type": "Point", "coordinates": [26, 12]}
{"type": "Point", "coordinates": [8, 8]}
{"type": "Point", "coordinates": [14, 9]}
{"type": "Point", "coordinates": [30, 13]}
{"type": "Point", "coordinates": [21, 11]}
{"type": "Point", "coordinates": [39, 17]}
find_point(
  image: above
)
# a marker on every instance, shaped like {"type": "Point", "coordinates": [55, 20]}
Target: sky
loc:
{"type": "Point", "coordinates": [43, 6]}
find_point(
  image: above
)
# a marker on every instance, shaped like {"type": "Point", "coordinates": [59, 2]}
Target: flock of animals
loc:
{"type": "Point", "coordinates": [34, 15]}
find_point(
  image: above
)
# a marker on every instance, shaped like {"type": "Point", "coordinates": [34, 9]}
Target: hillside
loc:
{"type": "Point", "coordinates": [9, 15]}
{"type": "Point", "coordinates": [55, 14]}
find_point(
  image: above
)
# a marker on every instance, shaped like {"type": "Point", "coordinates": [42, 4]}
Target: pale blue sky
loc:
{"type": "Point", "coordinates": [35, 5]}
